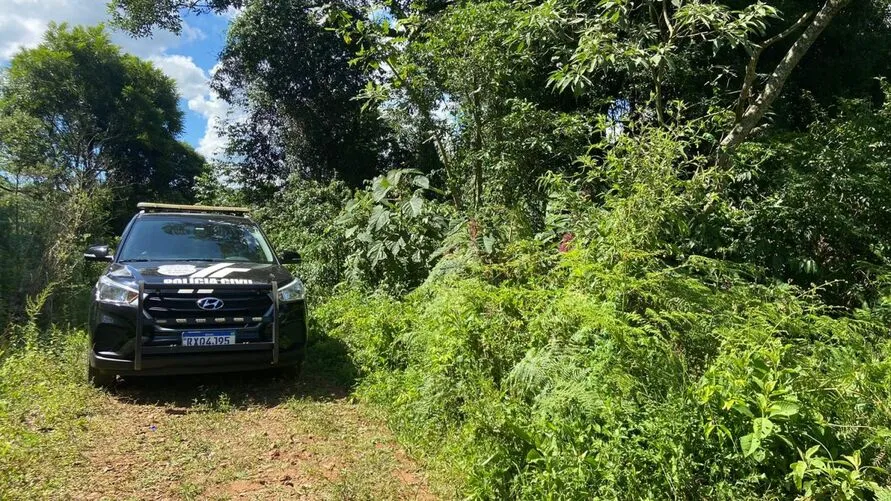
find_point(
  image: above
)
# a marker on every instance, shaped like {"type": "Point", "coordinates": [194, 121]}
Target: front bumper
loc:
{"type": "Point", "coordinates": [196, 363]}
{"type": "Point", "coordinates": [274, 339]}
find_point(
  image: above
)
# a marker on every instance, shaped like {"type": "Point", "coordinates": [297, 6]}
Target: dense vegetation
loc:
{"type": "Point", "coordinates": [577, 249]}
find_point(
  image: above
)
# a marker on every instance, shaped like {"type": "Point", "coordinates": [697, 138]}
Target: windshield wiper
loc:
{"type": "Point", "coordinates": [203, 260]}
{"type": "Point", "coordinates": [141, 260]}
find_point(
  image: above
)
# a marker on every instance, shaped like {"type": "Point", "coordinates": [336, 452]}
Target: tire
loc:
{"type": "Point", "coordinates": [100, 379]}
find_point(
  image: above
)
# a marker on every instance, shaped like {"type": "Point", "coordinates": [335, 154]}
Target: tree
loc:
{"type": "Point", "coordinates": [140, 17]}
{"type": "Point", "coordinates": [85, 133]}
{"type": "Point", "coordinates": [95, 116]}
{"type": "Point", "coordinates": [465, 79]}
{"type": "Point", "coordinates": [294, 78]}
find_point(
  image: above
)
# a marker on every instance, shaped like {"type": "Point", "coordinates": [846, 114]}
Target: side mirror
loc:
{"type": "Point", "coordinates": [98, 253]}
{"type": "Point", "coordinates": [291, 257]}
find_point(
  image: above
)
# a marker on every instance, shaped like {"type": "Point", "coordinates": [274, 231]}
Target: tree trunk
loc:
{"type": "Point", "coordinates": [774, 85]}
{"type": "Point", "coordinates": [478, 163]}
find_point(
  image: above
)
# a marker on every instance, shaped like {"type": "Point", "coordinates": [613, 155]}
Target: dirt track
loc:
{"type": "Point", "coordinates": [240, 436]}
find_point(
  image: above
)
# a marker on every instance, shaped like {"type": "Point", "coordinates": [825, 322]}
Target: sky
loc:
{"type": "Point", "coordinates": [188, 58]}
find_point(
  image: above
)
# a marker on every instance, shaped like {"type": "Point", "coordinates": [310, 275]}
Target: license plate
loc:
{"type": "Point", "coordinates": [208, 338]}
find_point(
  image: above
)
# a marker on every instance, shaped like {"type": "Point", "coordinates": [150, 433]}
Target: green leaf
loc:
{"type": "Point", "coordinates": [853, 460]}
{"type": "Point", "coordinates": [394, 176]}
{"type": "Point", "coordinates": [784, 408]}
{"type": "Point", "coordinates": [488, 243]}
{"type": "Point", "coordinates": [761, 367]}
{"type": "Point", "coordinates": [422, 182]}
{"type": "Point", "coordinates": [377, 253]}
{"type": "Point", "coordinates": [882, 493]}
{"type": "Point", "coordinates": [397, 246]}
{"type": "Point", "coordinates": [762, 427]}
{"type": "Point", "coordinates": [799, 468]}
{"type": "Point", "coordinates": [381, 188]}
{"type": "Point", "coordinates": [749, 444]}
{"type": "Point", "coordinates": [759, 455]}
{"type": "Point", "coordinates": [743, 409]}
{"type": "Point", "coordinates": [416, 203]}
{"type": "Point", "coordinates": [379, 218]}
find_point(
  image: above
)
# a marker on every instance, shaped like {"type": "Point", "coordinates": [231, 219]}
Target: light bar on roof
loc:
{"type": "Point", "coordinates": [152, 207]}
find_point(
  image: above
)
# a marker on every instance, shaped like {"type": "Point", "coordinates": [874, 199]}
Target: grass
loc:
{"type": "Point", "coordinates": [45, 406]}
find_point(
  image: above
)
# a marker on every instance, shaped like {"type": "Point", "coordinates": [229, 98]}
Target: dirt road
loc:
{"type": "Point", "coordinates": [240, 436]}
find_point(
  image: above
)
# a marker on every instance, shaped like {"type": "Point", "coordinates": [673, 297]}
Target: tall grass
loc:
{"type": "Point", "coordinates": [44, 404]}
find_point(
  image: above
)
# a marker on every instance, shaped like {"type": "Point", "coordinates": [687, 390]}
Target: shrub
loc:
{"type": "Point", "coordinates": [301, 217]}
{"type": "Point", "coordinates": [602, 358]}
{"type": "Point", "coordinates": [656, 382]}
{"type": "Point", "coordinates": [392, 231]}
{"type": "Point", "coordinates": [814, 205]}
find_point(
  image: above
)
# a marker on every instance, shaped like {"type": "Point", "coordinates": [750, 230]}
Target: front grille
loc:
{"type": "Point", "coordinates": [171, 305]}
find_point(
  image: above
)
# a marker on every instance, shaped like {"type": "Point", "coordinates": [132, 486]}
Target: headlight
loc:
{"type": "Point", "coordinates": [111, 292]}
{"type": "Point", "coordinates": [294, 291]}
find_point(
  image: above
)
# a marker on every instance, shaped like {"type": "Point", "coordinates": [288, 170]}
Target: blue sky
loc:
{"type": "Point", "coordinates": [204, 54]}
{"type": "Point", "coordinates": [188, 58]}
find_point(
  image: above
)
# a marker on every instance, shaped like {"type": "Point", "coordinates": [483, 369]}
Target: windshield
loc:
{"type": "Point", "coordinates": [185, 238]}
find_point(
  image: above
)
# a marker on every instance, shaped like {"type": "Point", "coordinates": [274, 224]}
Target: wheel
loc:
{"type": "Point", "coordinates": [100, 379]}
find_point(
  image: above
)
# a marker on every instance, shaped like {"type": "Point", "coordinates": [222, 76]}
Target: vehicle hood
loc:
{"type": "Point", "coordinates": [200, 273]}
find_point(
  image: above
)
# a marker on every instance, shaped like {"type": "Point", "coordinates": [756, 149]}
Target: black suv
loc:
{"type": "Point", "coordinates": [194, 289]}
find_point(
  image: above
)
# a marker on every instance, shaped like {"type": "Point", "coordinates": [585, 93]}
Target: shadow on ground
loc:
{"type": "Point", "coordinates": [328, 374]}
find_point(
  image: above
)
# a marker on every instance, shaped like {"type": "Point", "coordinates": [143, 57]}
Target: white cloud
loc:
{"type": "Point", "coordinates": [193, 84]}
{"type": "Point", "coordinates": [217, 112]}
{"type": "Point", "coordinates": [212, 145]}
{"type": "Point", "coordinates": [23, 23]}
{"type": "Point", "coordinates": [232, 12]}
{"type": "Point", "coordinates": [190, 79]}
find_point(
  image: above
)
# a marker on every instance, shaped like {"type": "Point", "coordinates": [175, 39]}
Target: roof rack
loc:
{"type": "Point", "coordinates": [151, 207]}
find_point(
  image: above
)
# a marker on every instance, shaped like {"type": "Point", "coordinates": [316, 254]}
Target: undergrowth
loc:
{"type": "Point", "coordinates": [44, 403]}
{"type": "Point", "coordinates": [626, 378]}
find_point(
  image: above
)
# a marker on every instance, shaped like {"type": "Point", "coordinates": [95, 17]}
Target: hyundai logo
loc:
{"type": "Point", "coordinates": [210, 303]}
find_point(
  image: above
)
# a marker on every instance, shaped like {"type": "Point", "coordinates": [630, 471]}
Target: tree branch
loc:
{"type": "Point", "coordinates": [791, 29]}
{"type": "Point", "coordinates": [773, 87]}
{"type": "Point", "coordinates": [667, 20]}
{"type": "Point", "coordinates": [754, 58]}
